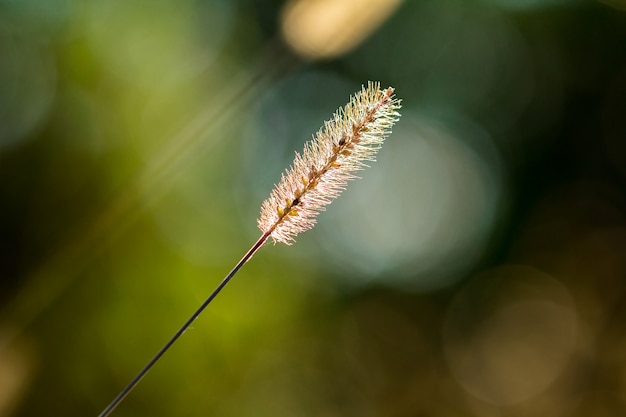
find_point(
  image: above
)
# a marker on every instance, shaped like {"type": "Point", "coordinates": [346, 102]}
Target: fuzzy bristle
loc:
{"type": "Point", "coordinates": [328, 162]}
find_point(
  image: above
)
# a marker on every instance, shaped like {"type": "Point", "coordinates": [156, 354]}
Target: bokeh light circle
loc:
{"type": "Point", "coordinates": [328, 28]}
{"type": "Point", "coordinates": [425, 210]}
{"type": "Point", "coordinates": [509, 334]}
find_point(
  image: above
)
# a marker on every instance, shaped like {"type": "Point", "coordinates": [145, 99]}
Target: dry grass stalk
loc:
{"type": "Point", "coordinates": [328, 162]}
{"type": "Point", "coordinates": [341, 147]}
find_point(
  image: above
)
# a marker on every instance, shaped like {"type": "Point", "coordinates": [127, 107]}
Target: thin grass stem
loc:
{"type": "Point", "coordinates": [120, 397]}
{"type": "Point", "coordinates": [317, 176]}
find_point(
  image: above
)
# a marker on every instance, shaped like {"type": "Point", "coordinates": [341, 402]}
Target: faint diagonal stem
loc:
{"type": "Point", "coordinates": [117, 400]}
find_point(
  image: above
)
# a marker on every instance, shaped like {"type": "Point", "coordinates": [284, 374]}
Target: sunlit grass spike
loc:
{"type": "Point", "coordinates": [328, 162]}
{"type": "Point", "coordinates": [316, 177]}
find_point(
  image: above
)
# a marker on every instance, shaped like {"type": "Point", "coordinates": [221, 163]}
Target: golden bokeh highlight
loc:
{"type": "Point", "coordinates": [328, 28]}
{"type": "Point", "coordinates": [17, 366]}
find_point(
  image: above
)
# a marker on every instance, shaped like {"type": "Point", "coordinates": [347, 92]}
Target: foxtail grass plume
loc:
{"type": "Point", "coordinates": [318, 175]}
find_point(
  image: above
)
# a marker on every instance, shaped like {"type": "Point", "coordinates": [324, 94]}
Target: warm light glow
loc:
{"type": "Point", "coordinates": [327, 28]}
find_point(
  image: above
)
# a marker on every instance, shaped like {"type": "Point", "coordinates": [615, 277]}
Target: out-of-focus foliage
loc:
{"type": "Point", "coordinates": [478, 268]}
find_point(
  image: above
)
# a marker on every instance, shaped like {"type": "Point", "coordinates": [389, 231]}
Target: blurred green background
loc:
{"type": "Point", "coordinates": [477, 269]}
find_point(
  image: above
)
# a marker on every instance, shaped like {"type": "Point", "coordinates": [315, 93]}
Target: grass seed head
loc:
{"type": "Point", "coordinates": [340, 148]}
